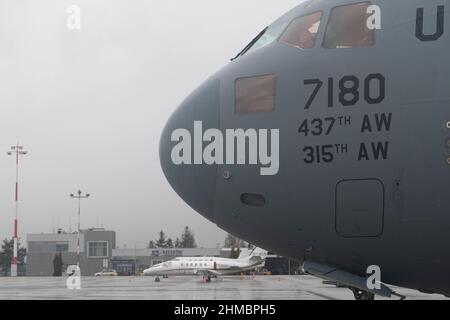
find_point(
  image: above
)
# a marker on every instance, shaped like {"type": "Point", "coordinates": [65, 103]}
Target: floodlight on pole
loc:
{"type": "Point", "coordinates": [79, 195]}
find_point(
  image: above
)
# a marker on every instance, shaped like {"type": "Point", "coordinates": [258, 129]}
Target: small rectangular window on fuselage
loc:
{"type": "Point", "coordinates": [255, 94]}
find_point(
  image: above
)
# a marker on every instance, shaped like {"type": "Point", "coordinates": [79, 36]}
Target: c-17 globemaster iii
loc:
{"type": "Point", "coordinates": [352, 98]}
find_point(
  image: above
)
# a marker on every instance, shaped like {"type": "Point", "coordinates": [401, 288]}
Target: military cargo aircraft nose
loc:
{"type": "Point", "coordinates": [181, 148]}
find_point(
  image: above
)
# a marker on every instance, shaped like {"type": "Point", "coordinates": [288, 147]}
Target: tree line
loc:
{"type": "Point", "coordinates": [236, 244]}
{"type": "Point", "coordinates": [6, 255]}
{"type": "Point", "coordinates": [185, 241]}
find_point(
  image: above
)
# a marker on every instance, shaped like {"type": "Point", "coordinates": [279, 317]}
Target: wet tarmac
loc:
{"type": "Point", "coordinates": [184, 288]}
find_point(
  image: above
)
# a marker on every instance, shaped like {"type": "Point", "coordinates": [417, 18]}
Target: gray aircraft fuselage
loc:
{"type": "Point", "coordinates": [364, 151]}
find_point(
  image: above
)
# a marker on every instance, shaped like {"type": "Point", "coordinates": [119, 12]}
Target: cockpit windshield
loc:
{"type": "Point", "coordinates": [267, 36]}
{"type": "Point", "coordinates": [270, 35]}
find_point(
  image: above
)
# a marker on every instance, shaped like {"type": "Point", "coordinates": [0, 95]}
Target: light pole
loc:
{"type": "Point", "coordinates": [17, 151]}
{"type": "Point", "coordinates": [79, 196]}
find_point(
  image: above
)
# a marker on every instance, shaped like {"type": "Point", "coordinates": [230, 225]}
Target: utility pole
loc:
{"type": "Point", "coordinates": [17, 151]}
{"type": "Point", "coordinates": [79, 196]}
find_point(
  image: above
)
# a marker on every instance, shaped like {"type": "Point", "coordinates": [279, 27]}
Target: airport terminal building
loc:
{"type": "Point", "coordinates": [96, 247]}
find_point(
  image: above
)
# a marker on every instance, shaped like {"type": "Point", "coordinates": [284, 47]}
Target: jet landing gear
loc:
{"type": "Point", "coordinates": [368, 296]}
{"type": "Point", "coordinates": [207, 279]}
{"type": "Point", "coordinates": [362, 295]}
{"type": "Point", "coordinates": [157, 279]}
{"type": "Point", "coordinates": [348, 280]}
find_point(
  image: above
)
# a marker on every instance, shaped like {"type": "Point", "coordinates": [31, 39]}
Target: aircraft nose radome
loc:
{"type": "Point", "coordinates": [194, 182]}
{"type": "Point", "coordinates": [147, 272]}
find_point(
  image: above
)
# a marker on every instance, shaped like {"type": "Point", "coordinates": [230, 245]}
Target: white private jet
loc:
{"type": "Point", "coordinates": [207, 266]}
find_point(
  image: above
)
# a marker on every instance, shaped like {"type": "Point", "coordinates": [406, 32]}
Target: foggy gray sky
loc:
{"type": "Point", "coordinates": [90, 105]}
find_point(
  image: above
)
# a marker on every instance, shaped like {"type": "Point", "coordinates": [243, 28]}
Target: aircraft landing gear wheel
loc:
{"type": "Point", "coordinates": [363, 295]}
{"type": "Point", "coordinates": [157, 279]}
{"type": "Point", "coordinates": [208, 279]}
{"type": "Point", "coordinates": [166, 277]}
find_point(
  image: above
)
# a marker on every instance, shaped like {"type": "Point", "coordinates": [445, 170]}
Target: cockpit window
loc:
{"type": "Point", "coordinates": [347, 27]}
{"type": "Point", "coordinates": [267, 36]}
{"type": "Point", "coordinates": [302, 32]}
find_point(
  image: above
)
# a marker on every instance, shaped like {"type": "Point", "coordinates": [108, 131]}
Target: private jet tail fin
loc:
{"type": "Point", "coordinates": [256, 254]}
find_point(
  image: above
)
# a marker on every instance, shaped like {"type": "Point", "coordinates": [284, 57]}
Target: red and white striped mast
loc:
{"type": "Point", "coordinates": [18, 151]}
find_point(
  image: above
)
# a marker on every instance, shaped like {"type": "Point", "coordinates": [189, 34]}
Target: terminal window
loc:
{"type": "Point", "coordinates": [62, 247]}
{"type": "Point", "coordinates": [48, 247]}
{"type": "Point", "coordinates": [98, 249]}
